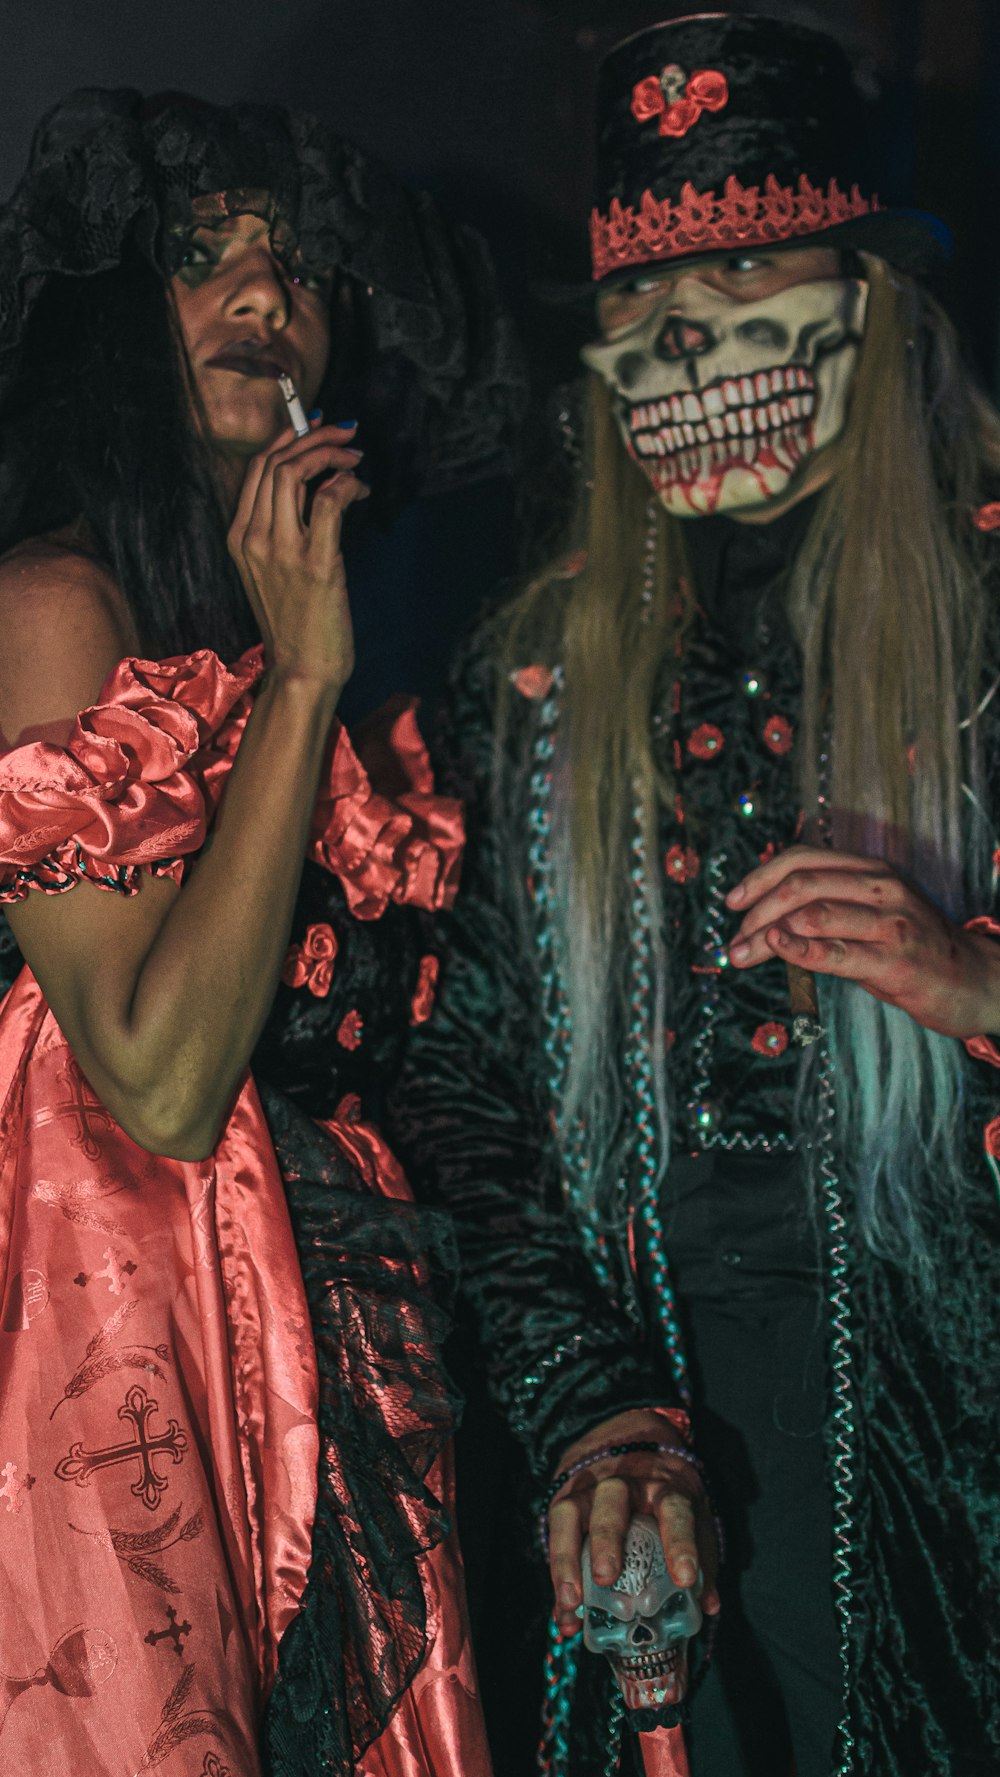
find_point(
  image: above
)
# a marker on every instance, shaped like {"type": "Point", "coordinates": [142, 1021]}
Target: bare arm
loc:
{"type": "Point", "coordinates": [162, 996]}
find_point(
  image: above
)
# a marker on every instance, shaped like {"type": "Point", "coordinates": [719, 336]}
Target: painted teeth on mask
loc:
{"type": "Point", "coordinates": [692, 434]}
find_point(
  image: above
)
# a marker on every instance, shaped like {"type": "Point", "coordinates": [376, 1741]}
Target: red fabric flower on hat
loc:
{"type": "Point", "coordinates": [709, 89]}
{"type": "Point", "coordinates": [678, 118]}
{"type": "Point", "coordinates": [422, 1003]}
{"type": "Point", "coordinates": [707, 741]}
{"type": "Point", "coordinates": [677, 101]}
{"type": "Point", "coordinates": [777, 734]}
{"type": "Point", "coordinates": [991, 1138]}
{"type": "Point", "coordinates": [310, 964]}
{"type": "Point", "coordinates": [770, 1039]}
{"type": "Point", "coordinates": [349, 1032]}
{"type": "Point", "coordinates": [681, 863]}
{"type": "Point", "coordinates": [987, 518]}
{"type": "Point", "coordinates": [647, 99]}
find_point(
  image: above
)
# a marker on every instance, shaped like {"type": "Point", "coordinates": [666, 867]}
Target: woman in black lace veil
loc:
{"type": "Point", "coordinates": [226, 1429]}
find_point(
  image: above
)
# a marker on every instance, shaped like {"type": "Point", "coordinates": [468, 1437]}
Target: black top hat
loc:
{"type": "Point", "coordinates": [721, 132]}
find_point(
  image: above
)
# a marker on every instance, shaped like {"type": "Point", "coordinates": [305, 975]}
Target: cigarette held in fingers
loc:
{"type": "Point", "coordinates": [296, 411]}
{"type": "Point", "coordinates": [803, 998]}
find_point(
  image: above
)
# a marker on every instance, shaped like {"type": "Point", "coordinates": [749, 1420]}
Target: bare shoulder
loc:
{"type": "Point", "coordinates": [64, 625]}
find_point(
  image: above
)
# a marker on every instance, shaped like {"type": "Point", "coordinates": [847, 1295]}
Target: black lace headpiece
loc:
{"type": "Point", "coordinates": [108, 168]}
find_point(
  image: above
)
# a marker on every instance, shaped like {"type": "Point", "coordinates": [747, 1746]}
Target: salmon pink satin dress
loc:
{"type": "Point", "coordinates": [224, 1438]}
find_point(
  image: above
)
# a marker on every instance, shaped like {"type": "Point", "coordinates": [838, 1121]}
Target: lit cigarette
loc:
{"type": "Point", "coordinates": [803, 1000]}
{"type": "Point", "coordinates": [296, 411]}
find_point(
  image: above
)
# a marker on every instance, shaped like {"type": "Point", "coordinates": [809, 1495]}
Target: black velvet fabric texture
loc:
{"type": "Point", "coordinates": [471, 1114]}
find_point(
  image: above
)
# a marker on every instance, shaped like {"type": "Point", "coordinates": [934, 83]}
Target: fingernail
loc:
{"type": "Point", "coordinates": [356, 454]}
{"type": "Point", "coordinates": [735, 895]}
{"type": "Point", "coordinates": [685, 1571]}
{"type": "Point", "coordinates": [740, 952]}
{"type": "Point", "coordinates": [566, 1595]}
{"type": "Point", "coordinates": [345, 425]}
{"type": "Point", "coordinates": [316, 413]}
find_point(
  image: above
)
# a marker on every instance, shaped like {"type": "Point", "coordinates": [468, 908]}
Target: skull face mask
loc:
{"type": "Point", "coordinates": [643, 1622]}
{"type": "Point", "coordinates": [721, 402]}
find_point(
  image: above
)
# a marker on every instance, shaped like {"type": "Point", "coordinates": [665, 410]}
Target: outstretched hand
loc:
{"type": "Point", "coordinates": [601, 1500]}
{"type": "Point", "coordinates": [837, 914]}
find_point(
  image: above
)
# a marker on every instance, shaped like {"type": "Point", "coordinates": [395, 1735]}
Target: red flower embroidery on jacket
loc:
{"type": "Point", "coordinates": [677, 101]}
{"type": "Point", "coordinates": [534, 682]}
{"type": "Point", "coordinates": [310, 964]}
{"type": "Point", "coordinates": [707, 741]}
{"type": "Point", "coordinates": [422, 1003]}
{"type": "Point", "coordinates": [351, 1030]}
{"type": "Point", "coordinates": [778, 734]}
{"type": "Point", "coordinates": [681, 863]}
{"type": "Point", "coordinates": [987, 518]}
{"type": "Point", "coordinates": [770, 1039]}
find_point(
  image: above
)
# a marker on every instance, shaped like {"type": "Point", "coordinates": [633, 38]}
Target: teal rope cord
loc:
{"type": "Point", "coordinates": [845, 1431]}
{"type": "Point", "coordinates": [561, 1661]}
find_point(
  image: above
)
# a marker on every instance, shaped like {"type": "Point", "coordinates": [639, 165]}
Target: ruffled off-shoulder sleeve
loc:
{"type": "Point", "coordinates": [379, 826]}
{"type": "Point", "coordinates": [137, 784]}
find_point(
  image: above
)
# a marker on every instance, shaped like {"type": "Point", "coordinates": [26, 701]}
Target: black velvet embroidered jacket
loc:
{"type": "Point", "coordinates": [473, 1115]}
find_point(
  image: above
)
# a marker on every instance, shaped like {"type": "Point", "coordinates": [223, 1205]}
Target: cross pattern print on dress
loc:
{"type": "Point", "coordinates": [174, 1631]}
{"type": "Point", "coordinates": [145, 1449]}
{"type": "Point", "coordinates": [82, 1106]}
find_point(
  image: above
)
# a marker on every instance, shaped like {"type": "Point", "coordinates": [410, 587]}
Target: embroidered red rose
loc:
{"type": "Point", "coordinates": [770, 1039]}
{"type": "Point", "coordinates": [681, 863]}
{"type": "Point", "coordinates": [991, 1138]}
{"type": "Point", "coordinates": [350, 1031]}
{"type": "Point", "coordinates": [677, 101]}
{"type": "Point", "coordinates": [647, 99]}
{"type": "Point", "coordinates": [678, 118]}
{"type": "Point", "coordinates": [707, 741]}
{"type": "Point", "coordinates": [987, 518]}
{"type": "Point", "coordinates": [310, 964]}
{"type": "Point", "coordinates": [533, 682]}
{"type": "Point", "coordinates": [777, 734]}
{"type": "Point", "coordinates": [709, 88]}
{"type": "Point", "coordinates": [422, 1003]}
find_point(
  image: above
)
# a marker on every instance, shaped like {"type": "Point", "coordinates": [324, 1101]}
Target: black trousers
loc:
{"type": "Point", "coordinates": [773, 1690]}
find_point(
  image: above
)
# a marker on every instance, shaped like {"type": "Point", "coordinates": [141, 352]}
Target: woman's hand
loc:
{"type": "Point", "coordinates": [293, 572]}
{"type": "Point", "coordinates": [855, 917]}
{"type": "Point", "coordinates": [601, 1501]}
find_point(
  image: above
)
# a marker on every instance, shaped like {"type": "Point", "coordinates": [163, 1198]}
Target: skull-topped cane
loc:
{"type": "Point", "coordinates": [642, 1624]}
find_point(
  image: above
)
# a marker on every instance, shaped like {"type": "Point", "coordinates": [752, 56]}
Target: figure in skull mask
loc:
{"type": "Point", "coordinates": [745, 721]}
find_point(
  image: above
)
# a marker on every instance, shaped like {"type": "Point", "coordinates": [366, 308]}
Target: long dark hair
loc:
{"type": "Point", "coordinates": [96, 428]}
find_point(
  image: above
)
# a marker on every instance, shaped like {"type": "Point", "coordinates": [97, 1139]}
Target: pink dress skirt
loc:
{"type": "Point", "coordinates": [214, 1437]}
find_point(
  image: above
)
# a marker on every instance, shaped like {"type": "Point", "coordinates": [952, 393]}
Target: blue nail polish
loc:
{"type": "Point", "coordinates": [316, 413]}
{"type": "Point", "coordinates": [345, 425]}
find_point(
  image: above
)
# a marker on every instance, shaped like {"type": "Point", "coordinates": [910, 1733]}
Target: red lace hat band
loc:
{"type": "Point", "coordinates": [701, 222]}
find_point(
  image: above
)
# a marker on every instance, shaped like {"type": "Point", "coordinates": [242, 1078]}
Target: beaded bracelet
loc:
{"type": "Point", "coordinates": [638, 1447]}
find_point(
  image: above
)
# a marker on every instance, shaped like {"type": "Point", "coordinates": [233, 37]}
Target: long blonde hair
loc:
{"type": "Point", "coordinates": [887, 598]}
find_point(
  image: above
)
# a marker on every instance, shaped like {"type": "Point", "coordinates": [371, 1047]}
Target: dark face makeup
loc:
{"type": "Point", "coordinates": [249, 312]}
{"type": "Point", "coordinates": [730, 376]}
